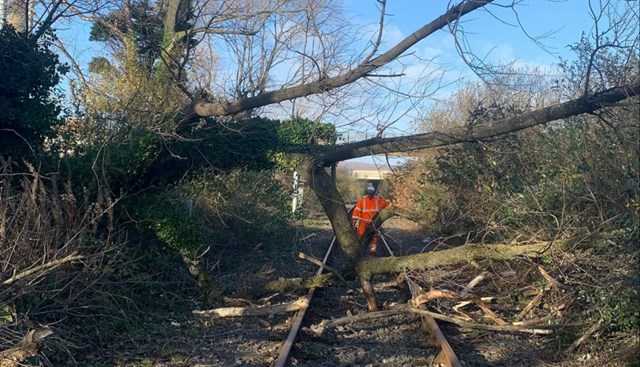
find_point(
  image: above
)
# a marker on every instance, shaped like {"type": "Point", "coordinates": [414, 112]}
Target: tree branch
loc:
{"type": "Point", "coordinates": [320, 86]}
{"type": "Point", "coordinates": [586, 104]}
{"type": "Point", "coordinates": [43, 267]}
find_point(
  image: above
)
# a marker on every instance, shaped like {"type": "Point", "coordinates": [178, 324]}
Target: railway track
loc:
{"type": "Point", "coordinates": [421, 339]}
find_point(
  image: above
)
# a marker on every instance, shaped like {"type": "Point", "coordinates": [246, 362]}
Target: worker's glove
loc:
{"type": "Point", "coordinates": [354, 223]}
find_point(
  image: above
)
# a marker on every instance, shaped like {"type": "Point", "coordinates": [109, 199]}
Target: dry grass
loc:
{"type": "Point", "coordinates": [52, 240]}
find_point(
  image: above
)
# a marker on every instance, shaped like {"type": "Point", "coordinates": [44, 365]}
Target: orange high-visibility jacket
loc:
{"type": "Point", "coordinates": [367, 208]}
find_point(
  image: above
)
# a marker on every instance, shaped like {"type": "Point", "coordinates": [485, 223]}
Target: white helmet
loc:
{"type": "Point", "coordinates": [370, 188]}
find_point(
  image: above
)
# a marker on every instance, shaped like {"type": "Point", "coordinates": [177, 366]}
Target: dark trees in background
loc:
{"type": "Point", "coordinates": [28, 96]}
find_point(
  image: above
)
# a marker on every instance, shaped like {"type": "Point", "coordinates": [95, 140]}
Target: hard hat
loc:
{"type": "Point", "coordinates": [370, 189]}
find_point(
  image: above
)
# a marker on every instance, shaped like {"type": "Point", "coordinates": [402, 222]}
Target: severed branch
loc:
{"type": "Point", "coordinates": [39, 268]}
{"type": "Point", "coordinates": [26, 348]}
{"type": "Point", "coordinates": [483, 306]}
{"type": "Point", "coordinates": [315, 261]}
{"type": "Point", "coordinates": [467, 289]}
{"type": "Point", "coordinates": [320, 328]}
{"type": "Point", "coordinates": [540, 329]}
{"type": "Point", "coordinates": [254, 311]}
{"type": "Point", "coordinates": [420, 297]}
{"type": "Point", "coordinates": [587, 334]}
{"type": "Point", "coordinates": [424, 297]}
{"type": "Point", "coordinates": [529, 306]}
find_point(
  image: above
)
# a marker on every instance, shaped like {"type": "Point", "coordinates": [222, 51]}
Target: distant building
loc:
{"type": "Point", "coordinates": [369, 174]}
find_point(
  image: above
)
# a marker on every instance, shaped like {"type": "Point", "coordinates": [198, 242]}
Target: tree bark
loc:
{"type": "Point", "coordinates": [293, 284]}
{"type": "Point", "coordinates": [370, 266]}
{"type": "Point", "coordinates": [254, 311]}
{"type": "Point", "coordinates": [27, 348]}
{"type": "Point", "coordinates": [332, 203]}
{"type": "Point", "coordinates": [203, 280]}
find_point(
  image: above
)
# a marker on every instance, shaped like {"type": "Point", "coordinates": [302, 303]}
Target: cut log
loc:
{"type": "Point", "coordinates": [293, 284]}
{"type": "Point", "coordinates": [315, 261]}
{"type": "Point", "coordinates": [320, 328]}
{"type": "Point", "coordinates": [254, 311]}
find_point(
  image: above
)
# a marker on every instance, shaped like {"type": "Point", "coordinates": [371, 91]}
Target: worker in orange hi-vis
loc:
{"type": "Point", "coordinates": [364, 212]}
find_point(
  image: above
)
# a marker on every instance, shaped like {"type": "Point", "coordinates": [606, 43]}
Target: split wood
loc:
{"type": "Point", "coordinates": [254, 311]}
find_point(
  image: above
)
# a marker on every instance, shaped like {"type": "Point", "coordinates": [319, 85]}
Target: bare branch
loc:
{"type": "Point", "coordinates": [41, 268]}
{"type": "Point", "coordinates": [455, 135]}
{"type": "Point", "coordinates": [346, 78]}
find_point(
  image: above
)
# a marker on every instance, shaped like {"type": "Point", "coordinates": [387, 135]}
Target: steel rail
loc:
{"type": "Point", "coordinates": [287, 344]}
{"type": "Point", "coordinates": [446, 355]}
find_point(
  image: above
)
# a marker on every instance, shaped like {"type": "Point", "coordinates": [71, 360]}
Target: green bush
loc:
{"type": "Point", "coordinates": [577, 174]}
{"type": "Point", "coordinates": [246, 207]}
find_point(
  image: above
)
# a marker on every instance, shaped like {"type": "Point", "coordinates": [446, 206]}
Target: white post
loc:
{"type": "Point", "coordinates": [298, 192]}
{"type": "Point", "coordinates": [294, 200]}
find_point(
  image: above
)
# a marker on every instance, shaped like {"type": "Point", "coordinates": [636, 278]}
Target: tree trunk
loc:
{"type": "Point", "coordinates": [203, 280]}
{"type": "Point", "coordinates": [333, 205]}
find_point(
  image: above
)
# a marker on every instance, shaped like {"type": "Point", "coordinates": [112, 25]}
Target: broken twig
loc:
{"type": "Point", "coordinates": [553, 281]}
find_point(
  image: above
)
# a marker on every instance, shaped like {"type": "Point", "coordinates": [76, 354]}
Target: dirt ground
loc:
{"type": "Point", "coordinates": [397, 340]}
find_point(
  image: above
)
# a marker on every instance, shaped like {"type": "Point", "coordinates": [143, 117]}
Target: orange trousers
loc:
{"type": "Point", "coordinates": [361, 228]}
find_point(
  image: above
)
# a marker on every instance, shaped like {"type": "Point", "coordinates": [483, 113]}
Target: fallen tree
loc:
{"type": "Point", "coordinates": [313, 170]}
{"type": "Point", "coordinates": [369, 65]}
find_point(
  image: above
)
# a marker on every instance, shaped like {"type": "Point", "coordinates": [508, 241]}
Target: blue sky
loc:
{"type": "Point", "coordinates": [562, 21]}
{"type": "Point", "coordinates": [494, 32]}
